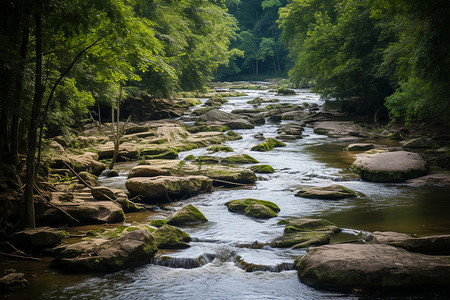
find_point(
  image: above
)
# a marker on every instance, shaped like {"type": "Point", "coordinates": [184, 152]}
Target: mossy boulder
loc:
{"type": "Point", "coordinates": [158, 223]}
{"type": "Point", "coordinates": [13, 282]}
{"type": "Point", "coordinates": [133, 248]}
{"type": "Point", "coordinates": [389, 166]}
{"type": "Point", "coordinates": [161, 187]}
{"type": "Point", "coordinates": [332, 192]}
{"type": "Point", "coordinates": [233, 136]}
{"type": "Point", "coordinates": [262, 169]}
{"type": "Point", "coordinates": [285, 91]}
{"type": "Point", "coordinates": [169, 237]}
{"type": "Point", "coordinates": [169, 154]}
{"type": "Point", "coordinates": [239, 159]}
{"type": "Point", "coordinates": [105, 193]}
{"type": "Point", "coordinates": [188, 214]}
{"type": "Point", "coordinates": [268, 145]}
{"type": "Point", "coordinates": [255, 208]}
{"type": "Point", "coordinates": [220, 148]}
{"type": "Point", "coordinates": [207, 159]}
{"type": "Point", "coordinates": [37, 238]}
{"type": "Point", "coordinates": [89, 178]}
{"type": "Point", "coordinates": [303, 232]}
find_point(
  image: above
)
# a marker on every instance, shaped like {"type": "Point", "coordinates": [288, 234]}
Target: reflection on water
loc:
{"type": "Point", "coordinates": [314, 160]}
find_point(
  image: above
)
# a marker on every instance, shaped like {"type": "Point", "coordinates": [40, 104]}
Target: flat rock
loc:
{"type": "Point", "coordinates": [439, 178]}
{"type": "Point", "coordinates": [218, 117]}
{"type": "Point", "coordinates": [83, 207]}
{"type": "Point", "coordinates": [105, 193]}
{"type": "Point", "coordinates": [389, 166]}
{"type": "Point", "coordinates": [337, 128]}
{"type": "Point", "coordinates": [162, 187]}
{"type": "Point", "coordinates": [359, 147]}
{"type": "Point", "coordinates": [132, 249]}
{"type": "Point", "coordinates": [435, 244]}
{"type": "Point", "coordinates": [126, 151]}
{"type": "Point", "coordinates": [332, 192]}
{"type": "Point", "coordinates": [370, 266]}
{"type": "Point", "coordinates": [148, 171]}
{"type": "Point", "coordinates": [86, 162]}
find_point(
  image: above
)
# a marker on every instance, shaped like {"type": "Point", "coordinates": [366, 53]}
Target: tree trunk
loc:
{"type": "Point", "coordinates": [257, 67]}
{"type": "Point", "coordinates": [19, 89]}
{"type": "Point", "coordinates": [99, 115]}
{"type": "Point", "coordinates": [116, 130]}
{"type": "Point", "coordinates": [3, 132]}
{"type": "Point", "coordinates": [32, 130]}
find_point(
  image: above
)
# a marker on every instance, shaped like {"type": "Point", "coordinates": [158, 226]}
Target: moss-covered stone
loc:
{"type": "Point", "coordinates": [268, 145]}
{"type": "Point", "coordinates": [262, 169]}
{"type": "Point", "coordinates": [89, 178]}
{"type": "Point", "coordinates": [208, 159]}
{"type": "Point", "coordinates": [190, 157]}
{"type": "Point", "coordinates": [158, 223]}
{"type": "Point", "coordinates": [253, 208]}
{"type": "Point", "coordinates": [239, 159]}
{"type": "Point", "coordinates": [188, 214]}
{"type": "Point", "coordinates": [170, 154]}
{"type": "Point", "coordinates": [332, 192]}
{"type": "Point", "coordinates": [301, 239]}
{"type": "Point", "coordinates": [220, 148]}
{"type": "Point", "coordinates": [232, 136]}
{"type": "Point", "coordinates": [285, 91]}
{"type": "Point", "coordinates": [169, 237]}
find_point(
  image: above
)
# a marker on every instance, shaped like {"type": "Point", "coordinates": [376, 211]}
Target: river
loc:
{"type": "Point", "coordinates": [314, 160]}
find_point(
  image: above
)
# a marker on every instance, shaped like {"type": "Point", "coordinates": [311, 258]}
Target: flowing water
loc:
{"type": "Point", "coordinates": [215, 266]}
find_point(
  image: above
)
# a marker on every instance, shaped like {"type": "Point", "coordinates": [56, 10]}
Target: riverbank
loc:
{"type": "Point", "coordinates": [309, 158]}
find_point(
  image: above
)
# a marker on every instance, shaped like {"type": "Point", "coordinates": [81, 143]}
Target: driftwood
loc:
{"type": "Point", "coordinates": [19, 256]}
{"type": "Point", "coordinates": [232, 183]}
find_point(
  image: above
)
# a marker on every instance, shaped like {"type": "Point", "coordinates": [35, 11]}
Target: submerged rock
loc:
{"type": "Point", "coordinates": [369, 266]}
{"type": "Point", "coordinates": [188, 214]}
{"type": "Point", "coordinates": [132, 249]}
{"type": "Point", "coordinates": [268, 145]}
{"type": "Point", "coordinates": [259, 209]}
{"type": "Point", "coordinates": [163, 187]}
{"type": "Point", "coordinates": [435, 244]}
{"type": "Point", "coordinates": [440, 178]}
{"type": "Point", "coordinates": [332, 192]}
{"type": "Point", "coordinates": [389, 166]}
{"type": "Point", "coordinates": [13, 282]}
{"type": "Point", "coordinates": [169, 237]}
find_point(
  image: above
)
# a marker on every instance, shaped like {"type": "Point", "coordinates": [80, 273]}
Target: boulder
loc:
{"type": "Point", "coordinates": [359, 147]}
{"type": "Point", "coordinates": [389, 166]}
{"type": "Point", "coordinates": [268, 145]}
{"type": "Point", "coordinates": [435, 244]}
{"type": "Point", "coordinates": [332, 192]}
{"type": "Point", "coordinates": [163, 187]}
{"type": "Point", "coordinates": [148, 171]}
{"type": "Point", "coordinates": [89, 178]}
{"type": "Point", "coordinates": [127, 151]}
{"type": "Point", "coordinates": [38, 238]}
{"type": "Point", "coordinates": [13, 282]}
{"type": "Point", "coordinates": [439, 178]}
{"type": "Point", "coordinates": [188, 214]}
{"type": "Point", "coordinates": [420, 142]}
{"type": "Point", "coordinates": [370, 266]}
{"type": "Point", "coordinates": [254, 208]}
{"type": "Point", "coordinates": [132, 249]}
{"type": "Point", "coordinates": [82, 207]}
{"type": "Point", "coordinates": [119, 196]}
{"type": "Point", "coordinates": [220, 148]}
{"type": "Point", "coordinates": [337, 129]}
{"type": "Point", "coordinates": [169, 237]}
{"type": "Point", "coordinates": [285, 91]}
{"type": "Point", "coordinates": [86, 162]}
{"type": "Point", "coordinates": [302, 233]}
{"type": "Point", "coordinates": [232, 121]}
{"type": "Point", "coordinates": [262, 169]}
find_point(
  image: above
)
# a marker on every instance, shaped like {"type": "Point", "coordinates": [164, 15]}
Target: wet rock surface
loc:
{"type": "Point", "coordinates": [332, 192]}
{"type": "Point", "coordinates": [259, 209]}
{"type": "Point", "coordinates": [382, 267]}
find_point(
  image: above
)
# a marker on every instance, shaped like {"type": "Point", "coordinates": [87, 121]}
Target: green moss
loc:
{"type": "Point", "coordinates": [169, 237]}
{"type": "Point", "coordinates": [239, 159]}
{"type": "Point", "coordinates": [190, 157]}
{"type": "Point", "coordinates": [170, 154]}
{"type": "Point", "coordinates": [253, 207]}
{"type": "Point", "coordinates": [187, 214]}
{"type": "Point", "coordinates": [262, 169]}
{"type": "Point", "coordinates": [158, 223]}
{"type": "Point", "coordinates": [220, 148]}
{"type": "Point", "coordinates": [285, 91]}
{"type": "Point", "coordinates": [232, 136]}
{"type": "Point", "coordinates": [268, 145]}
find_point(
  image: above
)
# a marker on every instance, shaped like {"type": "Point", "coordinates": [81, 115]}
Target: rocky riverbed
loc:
{"type": "Point", "coordinates": [236, 198]}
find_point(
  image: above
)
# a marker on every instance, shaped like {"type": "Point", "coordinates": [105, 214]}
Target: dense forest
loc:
{"type": "Point", "coordinates": [63, 63]}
